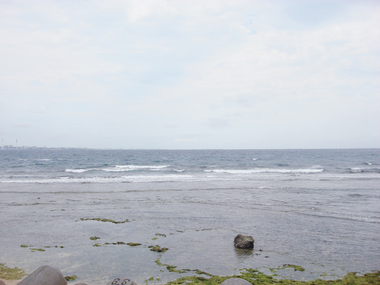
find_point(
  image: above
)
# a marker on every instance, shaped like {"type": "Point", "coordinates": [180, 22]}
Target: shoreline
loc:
{"type": "Point", "coordinates": [253, 276]}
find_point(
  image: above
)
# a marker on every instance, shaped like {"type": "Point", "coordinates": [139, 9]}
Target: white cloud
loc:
{"type": "Point", "coordinates": [228, 71]}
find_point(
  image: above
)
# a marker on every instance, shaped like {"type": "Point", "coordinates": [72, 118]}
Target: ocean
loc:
{"type": "Point", "coordinates": [77, 210]}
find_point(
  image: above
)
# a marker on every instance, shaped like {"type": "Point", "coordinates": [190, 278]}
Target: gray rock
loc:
{"type": "Point", "coordinates": [122, 281]}
{"type": "Point", "coordinates": [235, 281]}
{"type": "Point", "coordinates": [245, 242]}
{"type": "Point", "coordinates": [44, 275]}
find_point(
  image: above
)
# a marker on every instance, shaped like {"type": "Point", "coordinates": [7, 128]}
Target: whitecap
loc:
{"type": "Point", "coordinates": [266, 170]}
{"type": "Point", "coordinates": [77, 170]}
{"type": "Point", "coordinates": [122, 168]}
{"type": "Point", "coordinates": [179, 170]}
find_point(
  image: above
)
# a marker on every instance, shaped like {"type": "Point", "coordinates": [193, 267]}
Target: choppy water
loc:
{"type": "Point", "coordinates": [315, 208]}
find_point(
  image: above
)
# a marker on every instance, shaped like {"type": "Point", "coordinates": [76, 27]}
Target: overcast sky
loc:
{"type": "Point", "coordinates": [190, 74]}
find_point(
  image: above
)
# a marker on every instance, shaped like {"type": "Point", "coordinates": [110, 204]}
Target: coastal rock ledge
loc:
{"type": "Point", "coordinates": [244, 242]}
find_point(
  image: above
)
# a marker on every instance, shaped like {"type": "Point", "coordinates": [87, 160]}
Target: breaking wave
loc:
{"type": "Point", "coordinates": [266, 170]}
{"type": "Point", "coordinates": [120, 168]}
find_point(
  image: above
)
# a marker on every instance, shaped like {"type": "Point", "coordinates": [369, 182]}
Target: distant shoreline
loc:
{"type": "Point", "coordinates": [11, 147]}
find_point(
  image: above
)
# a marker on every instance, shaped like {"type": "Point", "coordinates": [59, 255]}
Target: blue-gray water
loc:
{"type": "Point", "coordinates": [315, 208]}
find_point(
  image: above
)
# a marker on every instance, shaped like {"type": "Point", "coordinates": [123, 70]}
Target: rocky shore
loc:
{"type": "Point", "coordinates": [47, 275]}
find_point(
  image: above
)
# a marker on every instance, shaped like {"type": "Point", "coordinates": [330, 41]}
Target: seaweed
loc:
{"type": "Point", "coordinates": [256, 277]}
{"type": "Point", "coordinates": [105, 220]}
{"type": "Point", "coordinates": [36, 249]}
{"type": "Point", "coordinates": [8, 273]}
{"type": "Point", "coordinates": [171, 268]}
{"type": "Point", "coordinates": [133, 244]}
{"type": "Point", "coordinates": [295, 267]}
{"type": "Point", "coordinates": [157, 248]}
{"type": "Point", "coordinates": [197, 271]}
{"type": "Point", "coordinates": [94, 238]}
{"type": "Point", "coordinates": [71, 278]}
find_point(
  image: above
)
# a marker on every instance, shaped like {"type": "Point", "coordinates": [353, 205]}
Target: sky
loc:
{"type": "Point", "coordinates": [190, 74]}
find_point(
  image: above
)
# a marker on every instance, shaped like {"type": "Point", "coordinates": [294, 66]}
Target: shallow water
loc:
{"type": "Point", "coordinates": [327, 222]}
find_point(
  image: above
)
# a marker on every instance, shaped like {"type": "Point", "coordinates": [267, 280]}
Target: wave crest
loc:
{"type": "Point", "coordinates": [266, 170]}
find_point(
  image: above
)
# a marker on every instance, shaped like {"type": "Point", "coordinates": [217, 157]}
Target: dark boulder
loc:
{"type": "Point", "coordinates": [44, 275]}
{"type": "Point", "coordinates": [244, 242]}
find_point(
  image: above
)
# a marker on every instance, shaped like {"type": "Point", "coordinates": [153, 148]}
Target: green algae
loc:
{"type": "Point", "coordinates": [133, 244]}
{"type": "Point", "coordinates": [154, 238]}
{"type": "Point", "coordinates": [105, 220]}
{"type": "Point", "coordinates": [295, 267]}
{"type": "Point", "coordinates": [256, 277]}
{"type": "Point", "coordinates": [199, 272]}
{"type": "Point", "coordinates": [33, 249]}
{"type": "Point", "coordinates": [162, 235]}
{"type": "Point", "coordinates": [71, 278]}
{"type": "Point", "coordinates": [8, 273]}
{"type": "Point", "coordinates": [171, 268]}
{"type": "Point", "coordinates": [117, 243]}
{"type": "Point", "coordinates": [157, 248]}
{"type": "Point", "coordinates": [94, 238]}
